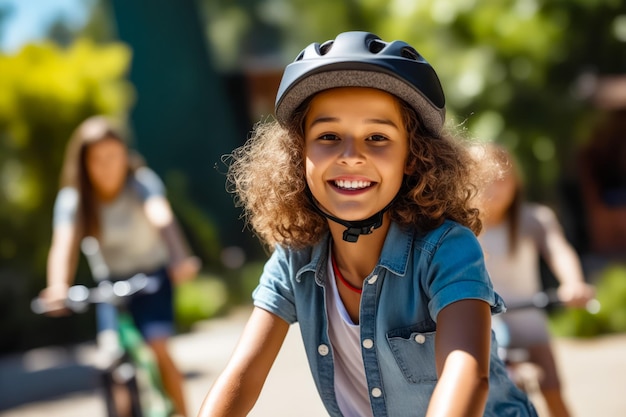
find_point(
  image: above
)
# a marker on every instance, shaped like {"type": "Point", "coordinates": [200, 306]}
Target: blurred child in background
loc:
{"type": "Point", "coordinates": [515, 235]}
{"type": "Point", "coordinates": [107, 193]}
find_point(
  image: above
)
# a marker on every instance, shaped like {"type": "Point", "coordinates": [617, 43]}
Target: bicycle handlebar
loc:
{"type": "Point", "coordinates": [549, 298]}
{"type": "Point", "coordinates": [107, 291]}
{"type": "Point", "coordinates": [79, 297]}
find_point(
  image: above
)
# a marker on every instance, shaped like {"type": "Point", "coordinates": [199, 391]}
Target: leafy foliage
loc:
{"type": "Point", "coordinates": [510, 68]}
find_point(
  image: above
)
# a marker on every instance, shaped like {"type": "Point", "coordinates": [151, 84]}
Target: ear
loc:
{"type": "Point", "coordinates": [409, 166]}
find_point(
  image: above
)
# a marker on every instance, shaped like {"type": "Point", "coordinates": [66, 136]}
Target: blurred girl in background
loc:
{"type": "Point", "coordinates": [515, 235]}
{"type": "Point", "coordinates": [106, 192]}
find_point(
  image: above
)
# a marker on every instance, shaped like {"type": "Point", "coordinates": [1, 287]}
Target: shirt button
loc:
{"type": "Point", "coordinates": [372, 279]}
{"type": "Point", "coordinates": [322, 350]}
{"type": "Point", "coordinates": [368, 343]}
{"type": "Point", "coordinates": [420, 338]}
{"type": "Point", "coordinates": [376, 392]}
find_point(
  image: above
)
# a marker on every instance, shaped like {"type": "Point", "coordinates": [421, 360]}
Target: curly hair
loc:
{"type": "Point", "coordinates": [267, 176]}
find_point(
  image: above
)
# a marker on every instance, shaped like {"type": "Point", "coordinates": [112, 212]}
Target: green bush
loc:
{"type": "Point", "coordinates": [611, 318]}
{"type": "Point", "coordinates": [211, 295]}
{"type": "Point", "coordinates": [199, 299]}
{"type": "Point", "coordinates": [612, 296]}
{"type": "Point", "coordinates": [249, 278]}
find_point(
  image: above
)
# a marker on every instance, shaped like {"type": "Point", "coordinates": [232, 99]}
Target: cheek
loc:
{"type": "Point", "coordinates": [96, 172]}
{"type": "Point", "coordinates": [398, 172]}
{"type": "Point", "coordinates": [498, 198]}
{"type": "Point", "coordinates": [309, 172]}
{"type": "Point", "coordinates": [508, 197]}
{"type": "Point", "coordinates": [120, 168]}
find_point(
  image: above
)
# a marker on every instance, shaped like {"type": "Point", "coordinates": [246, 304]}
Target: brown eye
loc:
{"type": "Point", "coordinates": [377, 138]}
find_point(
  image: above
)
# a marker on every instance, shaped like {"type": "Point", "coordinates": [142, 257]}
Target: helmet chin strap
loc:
{"type": "Point", "coordinates": [353, 228]}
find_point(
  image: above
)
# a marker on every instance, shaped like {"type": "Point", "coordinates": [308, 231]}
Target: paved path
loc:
{"type": "Point", "coordinates": [201, 355]}
{"type": "Point", "coordinates": [594, 372]}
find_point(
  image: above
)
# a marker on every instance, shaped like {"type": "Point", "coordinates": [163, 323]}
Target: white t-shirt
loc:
{"type": "Point", "coordinates": [345, 337]}
{"type": "Point", "coordinates": [516, 275]}
{"type": "Point", "coordinates": [130, 243]}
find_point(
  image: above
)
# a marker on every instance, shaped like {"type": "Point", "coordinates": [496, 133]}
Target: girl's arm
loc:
{"type": "Point", "coordinates": [462, 348]}
{"type": "Point", "coordinates": [237, 389]}
{"type": "Point", "coordinates": [61, 266]}
{"type": "Point", "coordinates": [183, 266]}
{"type": "Point", "coordinates": [564, 263]}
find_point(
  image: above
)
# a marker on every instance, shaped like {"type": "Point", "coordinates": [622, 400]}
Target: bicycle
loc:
{"type": "Point", "coordinates": [525, 374]}
{"type": "Point", "coordinates": [128, 361]}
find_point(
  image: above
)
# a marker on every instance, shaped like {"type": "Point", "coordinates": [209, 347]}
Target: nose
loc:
{"type": "Point", "coordinates": [351, 152]}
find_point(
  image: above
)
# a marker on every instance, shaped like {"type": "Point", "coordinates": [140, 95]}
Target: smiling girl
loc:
{"type": "Point", "coordinates": [366, 203]}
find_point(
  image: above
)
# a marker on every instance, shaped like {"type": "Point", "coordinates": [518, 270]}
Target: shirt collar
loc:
{"type": "Point", "coordinates": [397, 249]}
{"type": "Point", "coordinates": [394, 256]}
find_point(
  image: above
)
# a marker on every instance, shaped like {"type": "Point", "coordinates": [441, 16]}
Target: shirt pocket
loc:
{"type": "Point", "coordinates": [413, 348]}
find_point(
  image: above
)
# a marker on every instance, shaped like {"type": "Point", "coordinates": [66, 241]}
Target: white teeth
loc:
{"type": "Point", "coordinates": [352, 185]}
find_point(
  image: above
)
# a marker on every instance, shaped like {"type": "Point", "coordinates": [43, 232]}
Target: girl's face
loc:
{"type": "Point", "coordinates": [107, 166]}
{"type": "Point", "coordinates": [498, 197]}
{"type": "Point", "coordinates": [356, 148]}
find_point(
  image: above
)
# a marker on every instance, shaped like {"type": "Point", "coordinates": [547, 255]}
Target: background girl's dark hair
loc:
{"type": "Point", "coordinates": [74, 169]}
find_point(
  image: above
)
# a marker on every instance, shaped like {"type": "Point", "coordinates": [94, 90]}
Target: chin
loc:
{"type": "Point", "coordinates": [355, 217]}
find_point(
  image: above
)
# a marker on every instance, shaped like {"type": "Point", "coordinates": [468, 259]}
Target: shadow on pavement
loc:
{"type": "Point", "coordinates": [46, 373]}
{"type": "Point", "coordinates": [51, 372]}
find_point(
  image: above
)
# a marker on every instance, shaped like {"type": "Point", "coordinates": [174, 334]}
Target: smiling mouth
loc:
{"type": "Point", "coordinates": [351, 185]}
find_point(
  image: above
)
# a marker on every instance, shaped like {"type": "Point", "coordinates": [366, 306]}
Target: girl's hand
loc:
{"type": "Point", "coordinates": [576, 294]}
{"type": "Point", "coordinates": [185, 270]}
{"type": "Point", "coordinates": [54, 298]}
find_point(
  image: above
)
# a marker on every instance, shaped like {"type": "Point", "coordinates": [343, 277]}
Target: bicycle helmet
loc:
{"type": "Point", "coordinates": [362, 59]}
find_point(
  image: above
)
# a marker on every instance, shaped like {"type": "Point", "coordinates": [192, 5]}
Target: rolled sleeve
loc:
{"type": "Point", "coordinates": [275, 291]}
{"type": "Point", "coordinates": [457, 272]}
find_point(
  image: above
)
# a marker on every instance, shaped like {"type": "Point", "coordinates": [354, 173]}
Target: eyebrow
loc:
{"type": "Point", "coordinates": [330, 119]}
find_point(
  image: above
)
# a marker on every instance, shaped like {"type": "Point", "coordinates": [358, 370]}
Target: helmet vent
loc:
{"type": "Point", "coordinates": [376, 45]}
{"type": "Point", "coordinates": [300, 56]}
{"type": "Point", "coordinates": [325, 47]}
{"type": "Point", "coordinates": [410, 53]}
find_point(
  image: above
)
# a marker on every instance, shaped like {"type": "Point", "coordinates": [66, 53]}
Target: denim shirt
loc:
{"type": "Point", "coordinates": [417, 275]}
